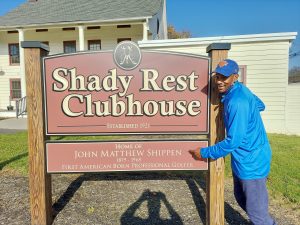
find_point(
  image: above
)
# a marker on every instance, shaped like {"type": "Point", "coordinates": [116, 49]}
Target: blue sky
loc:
{"type": "Point", "coordinates": [206, 18]}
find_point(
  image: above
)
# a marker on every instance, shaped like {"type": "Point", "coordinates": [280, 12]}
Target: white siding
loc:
{"type": "Point", "coordinates": [107, 34]}
{"type": "Point", "coordinates": [267, 77]}
{"type": "Point", "coordinates": [9, 70]}
{"type": "Point", "coordinates": [55, 36]}
{"type": "Point", "coordinates": [293, 109]}
{"type": "Point", "coordinates": [267, 74]}
{"type": "Point", "coordinates": [266, 62]}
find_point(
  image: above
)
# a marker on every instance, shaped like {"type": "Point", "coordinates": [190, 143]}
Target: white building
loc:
{"type": "Point", "coordinates": [66, 26]}
{"type": "Point", "coordinates": [263, 61]}
{"type": "Point", "coordinates": [70, 26]}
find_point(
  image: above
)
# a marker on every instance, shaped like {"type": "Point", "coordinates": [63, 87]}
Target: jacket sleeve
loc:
{"type": "Point", "coordinates": [259, 103]}
{"type": "Point", "coordinates": [238, 113]}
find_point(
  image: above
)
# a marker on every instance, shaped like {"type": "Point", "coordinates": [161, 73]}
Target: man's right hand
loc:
{"type": "Point", "coordinates": [196, 154]}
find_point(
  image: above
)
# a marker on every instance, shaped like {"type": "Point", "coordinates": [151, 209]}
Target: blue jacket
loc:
{"type": "Point", "coordinates": [246, 138]}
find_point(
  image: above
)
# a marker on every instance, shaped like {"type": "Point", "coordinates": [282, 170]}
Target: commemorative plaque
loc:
{"type": "Point", "coordinates": [123, 156]}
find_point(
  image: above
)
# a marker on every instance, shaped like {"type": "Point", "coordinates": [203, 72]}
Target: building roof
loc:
{"type": "Point", "coordinates": [65, 11]}
{"type": "Point", "coordinates": [288, 36]}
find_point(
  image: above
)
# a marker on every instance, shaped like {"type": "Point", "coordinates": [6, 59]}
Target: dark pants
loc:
{"type": "Point", "coordinates": [252, 196]}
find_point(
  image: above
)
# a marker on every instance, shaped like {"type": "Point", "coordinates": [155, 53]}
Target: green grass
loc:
{"type": "Point", "coordinates": [285, 169]}
{"type": "Point", "coordinates": [14, 152]}
{"type": "Point", "coordinates": [284, 180]}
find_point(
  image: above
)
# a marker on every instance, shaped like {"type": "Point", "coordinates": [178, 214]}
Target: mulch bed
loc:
{"type": "Point", "coordinates": [125, 198]}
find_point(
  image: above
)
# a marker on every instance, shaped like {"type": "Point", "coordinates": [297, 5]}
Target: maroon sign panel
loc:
{"type": "Point", "coordinates": [106, 93]}
{"type": "Point", "coordinates": [123, 156]}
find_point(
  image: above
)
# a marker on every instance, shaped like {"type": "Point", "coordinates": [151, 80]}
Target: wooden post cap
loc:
{"type": "Point", "coordinates": [218, 46]}
{"type": "Point", "coordinates": [34, 44]}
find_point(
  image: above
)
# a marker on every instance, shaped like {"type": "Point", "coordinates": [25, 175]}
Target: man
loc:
{"type": "Point", "coordinates": [246, 140]}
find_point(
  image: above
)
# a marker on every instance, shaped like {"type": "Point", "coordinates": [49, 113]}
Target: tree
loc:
{"type": "Point", "coordinates": [294, 75]}
{"type": "Point", "coordinates": [173, 34]}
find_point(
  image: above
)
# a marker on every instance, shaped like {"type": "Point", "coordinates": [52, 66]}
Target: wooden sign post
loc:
{"type": "Point", "coordinates": [39, 180]}
{"type": "Point", "coordinates": [216, 168]}
{"type": "Point", "coordinates": [115, 93]}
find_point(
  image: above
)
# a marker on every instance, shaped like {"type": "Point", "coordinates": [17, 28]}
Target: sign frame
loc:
{"type": "Point", "coordinates": [206, 132]}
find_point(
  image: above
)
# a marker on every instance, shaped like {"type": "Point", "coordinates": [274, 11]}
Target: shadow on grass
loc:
{"type": "Point", "coordinates": [232, 216]}
{"type": "Point", "coordinates": [4, 163]}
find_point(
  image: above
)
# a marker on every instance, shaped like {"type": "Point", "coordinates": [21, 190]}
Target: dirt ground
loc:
{"type": "Point", "coordinates": [126, 198]}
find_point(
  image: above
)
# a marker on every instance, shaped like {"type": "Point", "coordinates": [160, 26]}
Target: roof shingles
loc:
{"type": "Point", "coordinates": [60, 11]}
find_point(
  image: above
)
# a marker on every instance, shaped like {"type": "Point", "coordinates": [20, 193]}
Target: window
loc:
{"type": "Point", "coordinates": [93, 28]}
{"type": "Point", "coordinates": [12, 32]}
{"type": "Point", "coordinates": [68, 28]}
{"type": "Point", "coordinates": [69, 46]}
{"type": "Point", "coordinates": [41, 30]}
{"type": "Point", "coordinates": [124, 26]}
{"type": "Point", "coordinates": [94, 45]}
{"type": "Point", "coordinates": [123, 39]}
{"type": "Point", "coordinates": [14, 55]}
{"type": "Point", "coordinates": [242, 74]}
{"type": "Point", "coordinates": [15, 89]}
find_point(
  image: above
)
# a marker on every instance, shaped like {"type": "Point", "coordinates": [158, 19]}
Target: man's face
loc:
{"type": "Point", "coordinates": [224, 83]}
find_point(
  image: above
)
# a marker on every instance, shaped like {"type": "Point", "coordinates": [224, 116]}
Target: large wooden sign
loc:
{"type": "Point", "coordinates": [126, 91]}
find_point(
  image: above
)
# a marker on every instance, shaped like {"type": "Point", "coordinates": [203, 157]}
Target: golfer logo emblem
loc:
{"type": "Point", "coordinates": [127, 55]}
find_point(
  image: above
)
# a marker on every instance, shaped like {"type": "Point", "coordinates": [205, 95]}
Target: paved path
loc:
{"type": "Point", "coordinates": [13, 125]}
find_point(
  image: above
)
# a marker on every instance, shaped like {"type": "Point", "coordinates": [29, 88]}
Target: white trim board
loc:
{"type": "Point", "coordinates": [290, 36]}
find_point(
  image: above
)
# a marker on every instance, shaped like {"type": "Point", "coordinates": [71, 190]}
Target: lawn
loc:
{"type": "Point", "coordinates": [14, 153]}
{"type": "Point", "coordinates": [284, 180]}
{"type": "Point", "coordinates": [285, 170]}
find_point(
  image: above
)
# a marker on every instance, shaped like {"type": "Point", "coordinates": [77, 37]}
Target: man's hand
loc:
{"type": "Point", "coordinates": [196, 154]}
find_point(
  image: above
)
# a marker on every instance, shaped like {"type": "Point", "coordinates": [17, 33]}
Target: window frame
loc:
{"type": "Point", "coordinates": [68, 42]}
{"type": "Point", "coordinates": [10, 56]}
{"type": "Point", "coordinates": [11, 80]}
{"type": "Point", "coordinates": [95, 41]}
